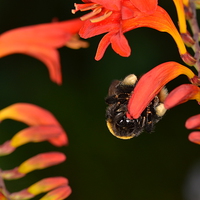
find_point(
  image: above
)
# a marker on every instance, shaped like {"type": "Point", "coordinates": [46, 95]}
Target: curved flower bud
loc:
{"type": "Point", "coordinates": [194, 137]}
{"type": "Point", "coordinates": [31, 134]}
{"type": "Point", "coordinates": [47, 184]}
{"type": "Point", "coordinates": [182, 94]}
{"type": "Point", "coordinates": [194, 123]}
{"type": "Point", "coordinates": [36, 134]}
{"type": "Point", "coordinates": [39, 161]}
{"type": "Point", "coordinates": [58, 194]}
{"type": "Point", "coordinates": [41, 186]}
{"type": "Point", "coordinates": [33, 115]}
{"type": "Point", "coordinates": [41, 42]}
{"type": "Point", "coordinates": [151, 83]}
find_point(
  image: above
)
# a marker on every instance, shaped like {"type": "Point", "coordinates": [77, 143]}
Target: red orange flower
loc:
{"type": "Point", "coordinates": [118, 17]}
{"type": "Point", "coordinates": [182, 94]}
{"type": "Point", "coordinates": [151, 83]}
{"type": "Point", "coordinates": [41, 42]}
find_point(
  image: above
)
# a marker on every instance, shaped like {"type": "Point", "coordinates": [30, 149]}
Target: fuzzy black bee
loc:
{"type": "Point", "coordinates": [118, 124]}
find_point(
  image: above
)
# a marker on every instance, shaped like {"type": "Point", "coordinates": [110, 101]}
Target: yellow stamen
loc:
{"type": "Point", "coordinates": [91, 14]}
{"type": "Point", "coordinates": [90, 7]}
{"type": "Point", "coordinates": [76, 43]}
{"type": "Point", "coordinates": [102, 17]}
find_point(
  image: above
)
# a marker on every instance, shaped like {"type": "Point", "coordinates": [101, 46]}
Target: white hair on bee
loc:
{"type": "Point", "coordinates": [160, 110]}
{"type": "Point", "coordinates": [163, 94]}
{"type": "Point", "coordinates": [130, 80]}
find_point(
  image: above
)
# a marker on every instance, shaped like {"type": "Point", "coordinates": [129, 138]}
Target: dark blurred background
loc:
{"type": "Point", "coordinates": [99, 166]}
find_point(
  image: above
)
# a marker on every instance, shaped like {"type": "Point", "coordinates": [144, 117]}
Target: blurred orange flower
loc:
{"type": "Point", "coordinates": [44, 185]}
{"type": "Point", "coordinates": [41, 42]}
{"type": "Point", "coordinates": [44, 126]}
{"type": "Point", "coordinates": [39, 161]}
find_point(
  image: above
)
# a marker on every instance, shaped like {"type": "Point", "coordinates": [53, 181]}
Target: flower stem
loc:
{"type": "Point", "coordinates": [195, 30]}
{"type": "Point", "coordinates": [3, 188]}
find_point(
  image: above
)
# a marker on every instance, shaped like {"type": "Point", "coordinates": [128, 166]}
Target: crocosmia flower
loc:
{"type": "Point", "coordinates": [43, 126]}
{"type": "Point", "coordinates": [181, 94]}
{"type": "Point", "coordinates": [44, 185]}
{"type": "Point", "coordinates": [119, 16]}
{"type": "Point", "coordinates": [41, 42]}
{"type": "Point", "coordinates": [151, 83]}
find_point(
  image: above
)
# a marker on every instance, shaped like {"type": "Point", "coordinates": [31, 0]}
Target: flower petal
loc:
{"type": "Point", "coordinates": [182, 94]}
{"type": "Point", "coordinates": [41, 186]}
{"type": "Point", "coordinates": [146, 6]}
{"type": "Point", "coordinates": [41, 41]}
{"type": "Point", "coordinates": [110, 24]}
{"type": "Point", "coordinates": [58, 194]}
{"type": "Point", "coordinates": [120, 44]}
{"type": "Point", "coordinates": [36, 134]}
{"type": "Point", "coordinates": [41, 161]}
{"type": "Point", "coordinates": [151, 83]}
{"type": "Point", "coordinates": [159, 20]}
{"type": "Point", "coordinates": [47, 184]}
{"type": "Point", "coordinates": [194, 137]}
{"type": "Point", "coordinates": [103, 44]}
{"type": "Point", "coordinates": [193, 122]}
{"type": "Point", "coordinates": [33, 115]}
{"type": "Point", "coordinates": [29, 114]}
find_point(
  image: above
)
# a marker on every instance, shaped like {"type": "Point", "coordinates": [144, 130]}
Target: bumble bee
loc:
{"type": "Point", "coordinates": [118, 124]}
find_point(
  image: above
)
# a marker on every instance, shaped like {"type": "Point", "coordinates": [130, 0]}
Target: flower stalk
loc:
{"type": "Point", "coordinates": [191, 13]}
